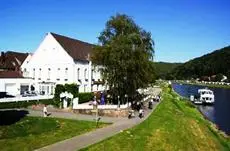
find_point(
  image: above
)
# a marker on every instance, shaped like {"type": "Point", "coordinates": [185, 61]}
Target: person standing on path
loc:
{"type": "Point", "coordinates": [45, 111]}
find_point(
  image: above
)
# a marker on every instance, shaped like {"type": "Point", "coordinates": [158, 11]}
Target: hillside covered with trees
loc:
{"type": "Point", "coordinates": [164, 68]}
{"type": "Point", "coordinates": [217, 62]}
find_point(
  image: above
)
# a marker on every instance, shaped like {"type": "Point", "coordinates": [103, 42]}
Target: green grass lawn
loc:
{"type": "Point", "coordinates": [174, 125]}
{"type": "Point", "coordinates": [35, 132]}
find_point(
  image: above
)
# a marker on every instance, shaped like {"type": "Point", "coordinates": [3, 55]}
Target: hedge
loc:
{"type": "Point", "coordinates": [25, 104]}
{"type": "Point", "coordinates": [85, 97]}
{"type": "Point", "coordinates": [71, 88]}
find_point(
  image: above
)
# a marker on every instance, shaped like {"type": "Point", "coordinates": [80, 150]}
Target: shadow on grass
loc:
{"type": "Point", "coordinates": [9, 117]}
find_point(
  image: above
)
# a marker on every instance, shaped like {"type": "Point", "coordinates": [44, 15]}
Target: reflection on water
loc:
{"type": "Point", "coordinates": [218, 113]}
{"type": "Point", "coordinates": [208, 111]}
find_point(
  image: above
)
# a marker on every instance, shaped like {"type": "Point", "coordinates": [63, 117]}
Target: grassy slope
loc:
{"type": "Point", "coordinates": [174, 125]}
{"type": "Point", "coordinates": [34, 132]}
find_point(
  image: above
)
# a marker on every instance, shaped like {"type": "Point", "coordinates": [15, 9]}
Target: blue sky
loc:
{"type": "Point", "coordinates": [181, 29]}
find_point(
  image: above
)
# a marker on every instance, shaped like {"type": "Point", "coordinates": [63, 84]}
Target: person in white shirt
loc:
{"type": "Point", "coordinates": [141, 113]}
{"type": "Point", "coordinates": [45, 111]}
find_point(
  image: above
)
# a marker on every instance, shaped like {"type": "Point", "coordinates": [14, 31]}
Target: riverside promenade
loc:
{"type": "Point", "coordinates": [84, 140]}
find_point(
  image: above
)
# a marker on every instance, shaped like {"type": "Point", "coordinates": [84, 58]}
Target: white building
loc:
{"type": "Point", "coordinates": [61, 60]}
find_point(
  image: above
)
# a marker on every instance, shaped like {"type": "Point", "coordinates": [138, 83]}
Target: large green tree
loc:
{"type": "Point", "coordinates": [125, 52]}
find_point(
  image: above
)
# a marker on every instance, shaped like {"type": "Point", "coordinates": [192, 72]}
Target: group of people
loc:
{"type": "Point", "coordinates": [140, 107]}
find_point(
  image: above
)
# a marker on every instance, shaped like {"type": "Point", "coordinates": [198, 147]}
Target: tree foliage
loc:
{"type": "Point", "coordinates": [125, 51]}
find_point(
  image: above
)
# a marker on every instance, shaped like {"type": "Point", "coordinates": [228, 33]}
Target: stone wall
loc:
{"type": "Point", "coordinates": [104, 112]}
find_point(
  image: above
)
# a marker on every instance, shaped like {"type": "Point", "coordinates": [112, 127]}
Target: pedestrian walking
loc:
{"type": "Point", "coordinates": [151, 104]}
{"type": "Point", "coordinates": [45, 113]}
{"type": "Point", "coordinates": [141, 113]}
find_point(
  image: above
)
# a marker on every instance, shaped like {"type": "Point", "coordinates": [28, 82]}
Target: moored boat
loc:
{"type": "Point", "coordinates": [206, 96]}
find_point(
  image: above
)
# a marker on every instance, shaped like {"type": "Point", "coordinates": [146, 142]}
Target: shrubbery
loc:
{"type": "Point", "coordinates": [71, 88]}
{"type": "Point", "coordinates": [84, 97]}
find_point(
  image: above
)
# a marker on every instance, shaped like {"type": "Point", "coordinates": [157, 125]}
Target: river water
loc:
{"type": "Point", "coordinates": [219, 113]}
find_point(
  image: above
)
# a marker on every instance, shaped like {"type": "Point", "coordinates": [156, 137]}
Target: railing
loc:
{"type": "Point", "coordinates": [122, 106]}
{"type": "Point", "coordinates": [28, 98]}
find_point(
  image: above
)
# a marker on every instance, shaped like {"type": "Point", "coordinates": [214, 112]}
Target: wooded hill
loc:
{"type": "Point", "coordinates": [217, 62]}
{"type": "Point", "coordinates": [164, 68]}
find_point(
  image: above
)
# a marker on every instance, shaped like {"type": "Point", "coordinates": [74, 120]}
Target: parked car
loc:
{"type": "Point", "coordinates": [29, 93]}
{"type": "Point", "coordinates": [5, 95]}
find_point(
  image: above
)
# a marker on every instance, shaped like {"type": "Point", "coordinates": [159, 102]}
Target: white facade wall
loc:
{"type": "Point", "coordinates": [13, 85]}
{"type": "Point", "coordinates": [51, 65]}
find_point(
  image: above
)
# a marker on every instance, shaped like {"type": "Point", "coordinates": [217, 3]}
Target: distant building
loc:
{"type": "Point", "coordinates": [11, 60]}
{"type": "Point", "coordinates": [11, 77]}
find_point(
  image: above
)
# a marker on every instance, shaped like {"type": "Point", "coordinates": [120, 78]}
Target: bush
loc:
{"type": "Point", "coordinates": [72, 88]}
{"type": "Point", "coordinates": [58, 90]}
{"type": "Point", "coordinates": [85, 97]}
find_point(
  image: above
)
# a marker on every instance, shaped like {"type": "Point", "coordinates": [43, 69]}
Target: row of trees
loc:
{"type": "Point", "coordinates": [125, 52]}
{"type": "Point", "coordinates": [210, 64]}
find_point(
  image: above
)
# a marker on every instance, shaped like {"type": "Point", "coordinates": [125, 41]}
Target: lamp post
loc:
{"type": "Point", "coordinates": [118, 101]}
{"type": "Point", "coordinates": [108, 99]}
{"type": "Point", "coordinates": [127, 101]}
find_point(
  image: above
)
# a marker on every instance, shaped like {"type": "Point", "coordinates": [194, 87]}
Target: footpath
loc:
{"type": "Point", "coordinates": [84, 140]}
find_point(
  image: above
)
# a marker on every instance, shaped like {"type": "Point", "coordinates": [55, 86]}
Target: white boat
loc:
{"type": "Point", "coordinates": [206, 96]}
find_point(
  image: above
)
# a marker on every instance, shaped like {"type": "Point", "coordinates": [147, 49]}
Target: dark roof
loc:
{"type": "Point", "coordinates": [77, 49]}
{"type": "Point", "coordinates": [12, 60]}
{"type": "Point", "coordinates": [10, 74]}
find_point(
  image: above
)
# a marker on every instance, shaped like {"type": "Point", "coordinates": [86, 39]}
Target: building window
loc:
{"type": "Point", "coordinates": [85, 74]}
{"type": "Point", "coordinates": [66, 74]}
{"type": "Point", "coordinates": [92, 75]}
{"type": "Point", "coordinates": [58, 74]}
{"type": "Point", "coordinates": [49, 70]}
{"type": "Point", "coordinates": [39, 74]}
{"type": "Point", "coordinates": [78, 73]}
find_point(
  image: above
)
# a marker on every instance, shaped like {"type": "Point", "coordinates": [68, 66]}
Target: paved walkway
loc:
{"type": "Point", "coordinates": [75, 116]}
{"type": "Point", "coordinates": [84, 140]}
{"type": "Point", "coordinates": [98, 135]}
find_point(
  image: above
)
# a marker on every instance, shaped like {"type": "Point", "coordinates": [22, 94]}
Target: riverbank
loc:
{"type": "Point", "coordinates": [205, 84]}
{"type": "Point", "coordinates": [174, 125]}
